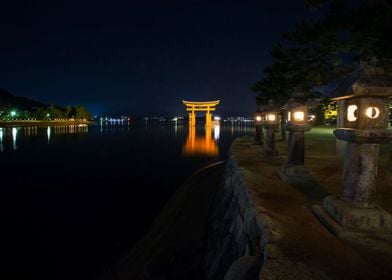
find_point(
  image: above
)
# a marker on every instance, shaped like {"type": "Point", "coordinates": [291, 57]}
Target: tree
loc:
{"type": "Point", "coordinates": [81, 113]}
{"type": "Point", "coordinates": [41, 113]}
{"type": "Point", "coordinates": [56, 112]}
{"type": "Point", "coordinates": [68, 112]}
{"type": "Point", "coordinates": [319, 51]}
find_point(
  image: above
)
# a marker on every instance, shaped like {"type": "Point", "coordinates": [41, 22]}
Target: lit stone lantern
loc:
{"type": "Point", "coordinates": [297, 111]}
{"type": "Point", "coordinates": [365, 121]}
{"type": "Point", "coordinates": [297, 123]}
{"type": "Point", "coordinates": [271, 123]}
{"type": "Point", "coordinates": [258, 121]}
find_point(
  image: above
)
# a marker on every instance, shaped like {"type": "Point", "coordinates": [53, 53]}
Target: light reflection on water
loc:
{"type": "Point", "coordinates": [48, 131]}
{"type": "Point", "coordinates": [216, 132]}
{"type": "Point", "coordinates": [196, 145]}
{"type": "Point", "coordinates": [14, 134]}
{"type": "Point", "coordinates": [9, 136]}
{"type": "Point", "coordinates": [200, 141]}
{"type": "Point", "coordinates": [1, 139]}
{"type": "Point", "coordinates": [78, 187]}
{"type": "Point", "coordinates": [114, 124]}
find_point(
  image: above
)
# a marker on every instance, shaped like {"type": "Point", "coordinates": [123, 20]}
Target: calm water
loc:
{"type": "Point", "coordinates": [73, 199]}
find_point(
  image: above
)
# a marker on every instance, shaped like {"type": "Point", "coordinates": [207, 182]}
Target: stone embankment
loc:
{"type": "Point", "coordinates": [235, 231]}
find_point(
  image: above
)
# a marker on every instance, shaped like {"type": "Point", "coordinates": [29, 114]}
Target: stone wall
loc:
{"type": "Point", "coordinates": [236, 235]}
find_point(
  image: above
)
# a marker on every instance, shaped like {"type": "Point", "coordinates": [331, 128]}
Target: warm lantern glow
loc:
{"type": "Point", "coordinates": [271, 117]}
{"type": "Point", "coordinates": [373, 112]}
{"type": "Point", "coordinates": [289, 116]}
{"type": "Point", "coordinates": [351, 113]}
{"type": "Point", "coordinates": [258, 118]}
{"type": "Point", "coordinates": [299, 116]}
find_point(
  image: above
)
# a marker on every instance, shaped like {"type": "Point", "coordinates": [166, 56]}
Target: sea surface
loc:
{"type": "Point", "coordinates": [73, 199]}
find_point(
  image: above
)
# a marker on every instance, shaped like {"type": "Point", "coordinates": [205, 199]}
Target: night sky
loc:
{"type": "Point", "coordinates": [141, 57]}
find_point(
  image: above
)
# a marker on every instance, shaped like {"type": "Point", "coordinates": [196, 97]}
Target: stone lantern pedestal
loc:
{"type": "Point", "coordinates": [258, 140]}
{"type": "Point", "coordinates": [258, 123]}
{"type": "Point", "coordinates": [269, 146]}
{"type": "Point", "coordinates": [270, 123]}
{"type": "Point", "coordinates": [355, 210]}
{"type": "Point", "coordinates": [295, 167]}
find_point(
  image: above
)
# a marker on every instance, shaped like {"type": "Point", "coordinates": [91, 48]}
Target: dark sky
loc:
{"type": "Point", "coordinates": [141, 57]}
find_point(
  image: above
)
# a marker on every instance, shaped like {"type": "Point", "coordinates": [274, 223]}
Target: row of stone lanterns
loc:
{"type": "Point", "coordinates": [266, 117]}
{"type": "Point", "coordinates": [296, 123]}
{"type": "Point", "coordinates": [364, 115]}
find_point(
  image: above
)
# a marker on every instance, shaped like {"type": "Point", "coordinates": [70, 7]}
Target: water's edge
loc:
{"type": "Point", "coordinates": [174, 247]}
{"type": "Point", "coordinates": [207, 230]}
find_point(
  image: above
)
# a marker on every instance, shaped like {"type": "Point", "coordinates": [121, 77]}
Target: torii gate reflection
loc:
{"type": "Point", "coordinates": [202, 146]}
{"type": "Point", "coordinates": [192, 107]}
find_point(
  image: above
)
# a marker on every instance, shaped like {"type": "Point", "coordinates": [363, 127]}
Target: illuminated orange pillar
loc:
{"type": "Point", "coordinates": [193, 116]}
{"type": "Point", "coordinates": [208, 138]}
{"type": "Point", "coordinates": [208, 117]}
{"type": "Point", "coordinates": [192, 136]}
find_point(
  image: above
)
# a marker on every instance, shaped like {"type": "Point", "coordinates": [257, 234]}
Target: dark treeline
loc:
{"type": "Point", "coordinates": [20, 108]}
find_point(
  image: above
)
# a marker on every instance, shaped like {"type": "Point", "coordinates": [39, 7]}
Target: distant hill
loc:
{"type": "Point", "coordinates": [9, 100]}
{"type": "Point", "coordinates": [21, 108]}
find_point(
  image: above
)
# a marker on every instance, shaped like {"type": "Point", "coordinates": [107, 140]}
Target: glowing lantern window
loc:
{"type": "Point", "coordinates": [373, 112]}
{"type": "Point", "coordinates": [351, 113]}
{"type": "Point", "coordinates": [271, 117]}
{"type": "Point", "coordinates": [258, 118]}
{"type": "Point", "coordinates": [297, 109]}
{"type": "Point", "coordinates": [299, 116]}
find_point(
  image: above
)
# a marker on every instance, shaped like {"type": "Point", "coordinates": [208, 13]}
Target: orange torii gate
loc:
{"type": "Point", "coordinates": [193, 107]}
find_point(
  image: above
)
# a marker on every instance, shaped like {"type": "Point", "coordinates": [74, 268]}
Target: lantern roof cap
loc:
{"type": "Point", "coordinates": [261, 108]}
{"type": "Point", "coordinates": [366, 81]}
{"type": "Point", "coordinates": [298, 99]}
{"type": "Point", "coordinates": [271, 106]}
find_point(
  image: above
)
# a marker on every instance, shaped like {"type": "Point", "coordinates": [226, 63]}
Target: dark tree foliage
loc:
{"type": "Point", "coordinates": [319, 51]}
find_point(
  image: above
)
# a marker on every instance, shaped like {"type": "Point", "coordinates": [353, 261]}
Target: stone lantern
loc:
{"type": "Point", "coordinates": [271, 123]}
{"type": "Point", "coordinates": [258, 121]}
{"type": "Point", "coordinates": [364, 128]}
{"type": "Point", "coordinates": [297, 123]}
